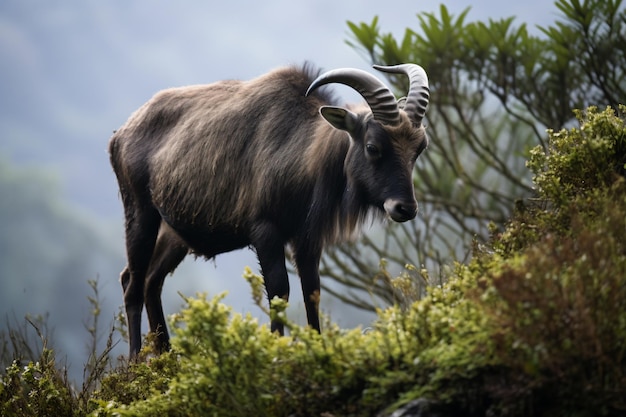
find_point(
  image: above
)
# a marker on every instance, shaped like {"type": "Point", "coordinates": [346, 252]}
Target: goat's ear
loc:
{"type": "Point", "coordinates": [340, 118]}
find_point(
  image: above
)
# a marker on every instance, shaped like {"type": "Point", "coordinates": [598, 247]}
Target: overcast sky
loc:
{"type": "Point", "coordinates": [73, 71]}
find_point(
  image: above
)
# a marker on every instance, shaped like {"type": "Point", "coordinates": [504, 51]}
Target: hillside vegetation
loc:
{"type": "Point", "coordinates": [533, 325]}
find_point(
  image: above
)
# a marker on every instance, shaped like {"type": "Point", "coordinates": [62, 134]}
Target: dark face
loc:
{"type": "Point", "coordinates": [380, 164]}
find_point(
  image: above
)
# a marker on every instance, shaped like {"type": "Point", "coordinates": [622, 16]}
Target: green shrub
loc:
{"type": "Point", "coordinates": [582, 159]}
{"type": "Point", "coordinates": [578, 164]}
{"type": "Point", "coordinates": [36, 389]}
{"type": "Point", "coordinates": [557, 317]}
{"type": "Point", "coordinates": [34, 382]}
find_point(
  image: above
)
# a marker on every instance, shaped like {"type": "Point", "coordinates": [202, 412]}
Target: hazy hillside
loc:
{"type": "Point", "coordinates": [49, 249]}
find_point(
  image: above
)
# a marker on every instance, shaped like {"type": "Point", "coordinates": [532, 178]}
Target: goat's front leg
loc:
{"type": "Point", "coordinates": [270, 249]}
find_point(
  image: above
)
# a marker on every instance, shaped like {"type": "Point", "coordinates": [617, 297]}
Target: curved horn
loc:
{"type": "Point", "coordinates": [380, 99]}
{"type": "Point", "coordinates": [419, 93]}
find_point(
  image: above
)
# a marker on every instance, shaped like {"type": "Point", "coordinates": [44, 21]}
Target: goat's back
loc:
{"type": "Point", "coordinates": [223, 154]}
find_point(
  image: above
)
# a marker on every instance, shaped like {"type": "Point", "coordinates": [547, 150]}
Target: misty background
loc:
{"type": "Point", "coordinates": [72, 72]}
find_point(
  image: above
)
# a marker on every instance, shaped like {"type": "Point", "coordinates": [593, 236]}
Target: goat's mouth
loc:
{"type": "Point", "coordinates": [400, 210]}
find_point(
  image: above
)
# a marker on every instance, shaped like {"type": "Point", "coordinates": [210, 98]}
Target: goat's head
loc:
{"type": "Point", "coordinates": [386, 141]}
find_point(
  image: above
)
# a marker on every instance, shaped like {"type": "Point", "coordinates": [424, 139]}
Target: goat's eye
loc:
{"type": "Point", "coordinates": [372, 150]}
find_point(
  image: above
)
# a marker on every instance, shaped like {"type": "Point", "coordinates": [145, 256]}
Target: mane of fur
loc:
{"type": "Point", "coordinates": [225, 153]}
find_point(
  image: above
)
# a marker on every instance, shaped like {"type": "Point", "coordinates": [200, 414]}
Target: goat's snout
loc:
{"type": "Point", "coordinates": [400, 210]}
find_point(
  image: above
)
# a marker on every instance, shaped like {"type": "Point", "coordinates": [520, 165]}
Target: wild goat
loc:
{"type": "Point", "coordinates": [262, 163]}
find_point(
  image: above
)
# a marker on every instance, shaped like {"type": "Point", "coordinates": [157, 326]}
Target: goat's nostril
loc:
{"type": "Point", "coordinates": [404, 209]}
{"type": "Point", "coordinates": [400, 210]}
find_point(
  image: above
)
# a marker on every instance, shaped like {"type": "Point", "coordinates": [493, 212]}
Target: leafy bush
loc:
{"type": "Point", "coordinates": [36, 389]}
{"type": "Point", "coordinates": [35, 382]}
{"type": "Point", "coordinates": [554, 286]}
{"type": "Point", "coordinates": [581, 160]}
{"type": "Point", "coordinates": [228, 365]}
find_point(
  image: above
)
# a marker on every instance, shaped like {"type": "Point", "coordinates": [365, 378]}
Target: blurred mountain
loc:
{"type": "Point", "coordinates": [49, 250]}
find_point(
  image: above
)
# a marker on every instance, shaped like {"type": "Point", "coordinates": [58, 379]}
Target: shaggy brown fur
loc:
{"type": "Point", "coordinates": [213, 168]}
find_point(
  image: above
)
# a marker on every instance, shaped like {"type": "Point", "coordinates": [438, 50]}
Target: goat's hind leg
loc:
{"type": "Point", "coordinates": [142, 226]}
{"type": "Point", "coordinates": [169, 252]}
